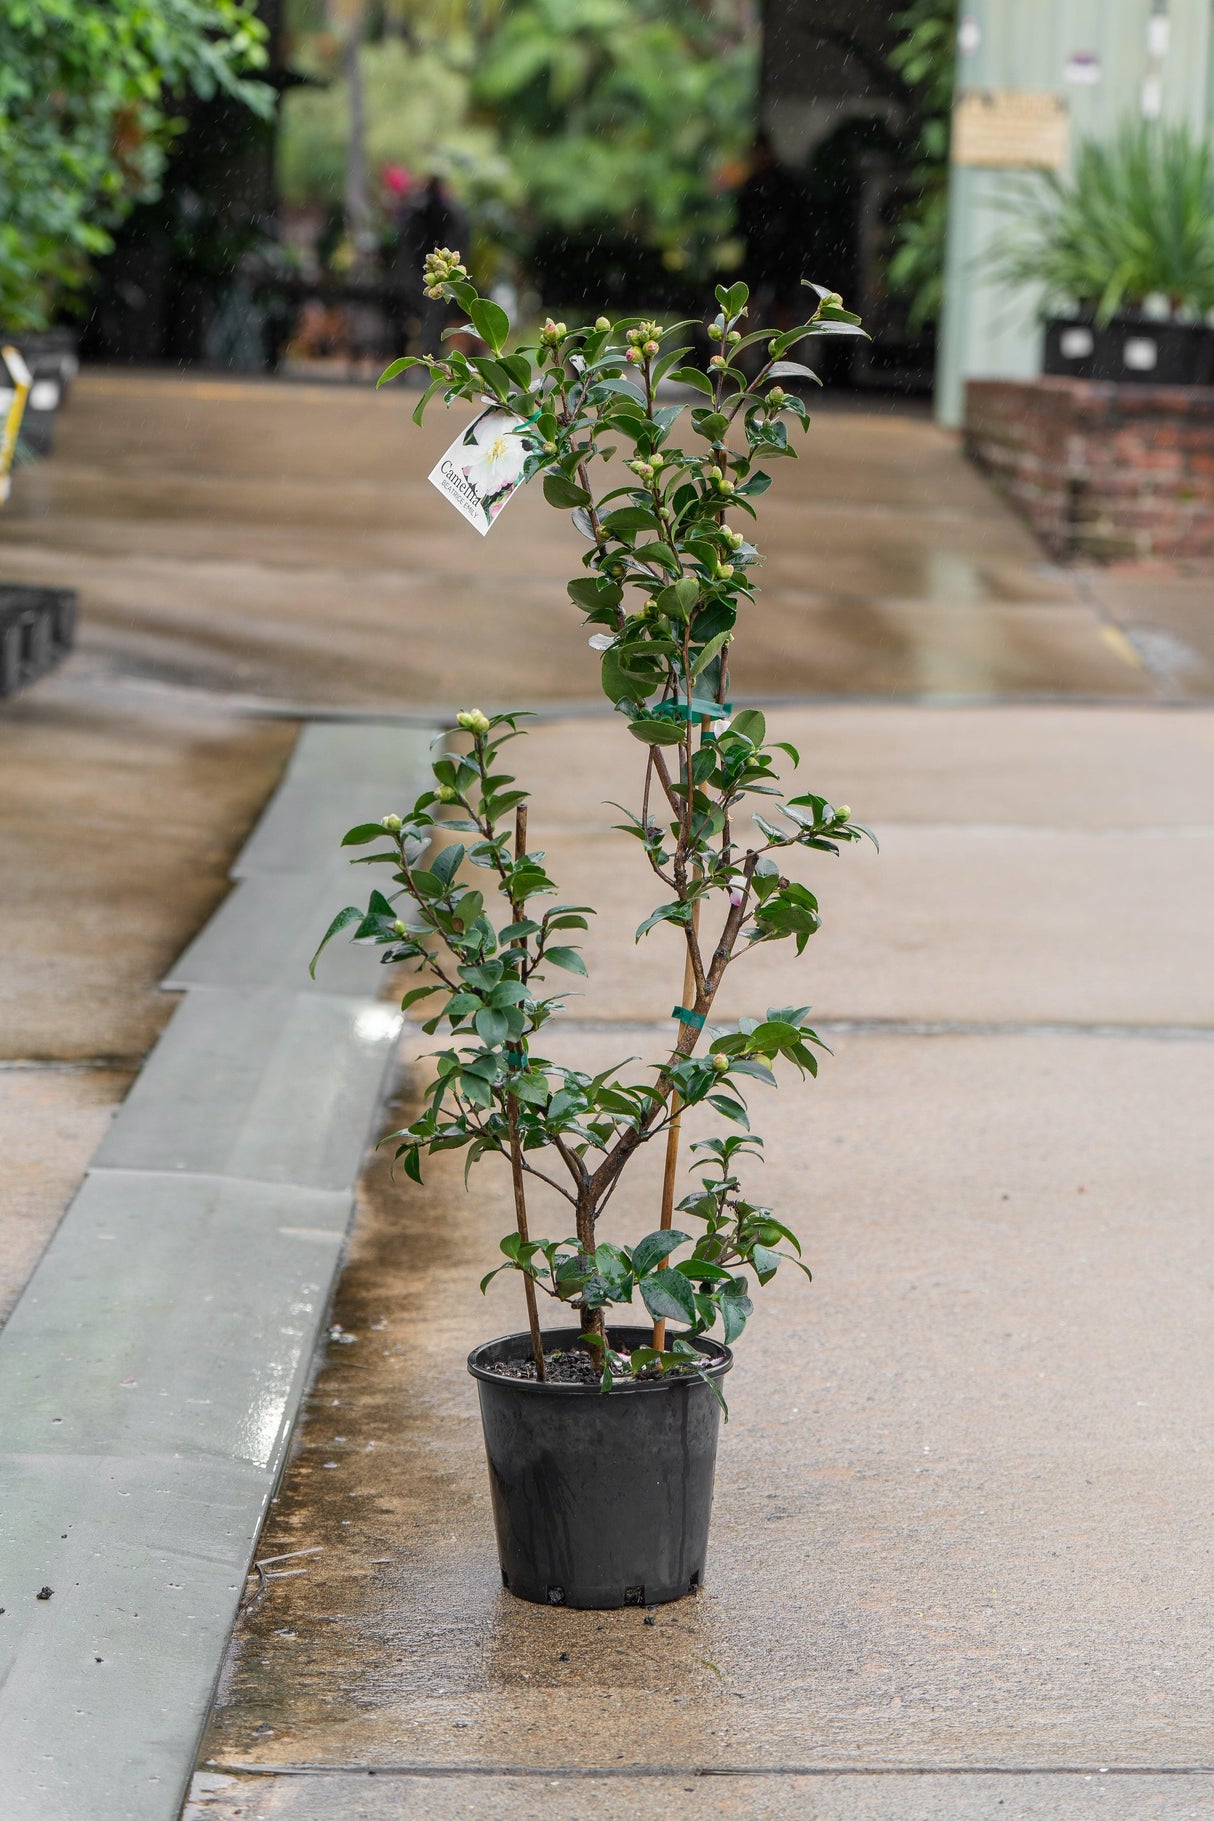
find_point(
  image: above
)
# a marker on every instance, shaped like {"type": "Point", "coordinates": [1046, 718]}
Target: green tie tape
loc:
{"type": "Point", "coordinates": [694, 1019]}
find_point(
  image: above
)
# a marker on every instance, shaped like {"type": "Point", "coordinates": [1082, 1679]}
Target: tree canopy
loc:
{"type": "Point", "coordinates": [86, 120]}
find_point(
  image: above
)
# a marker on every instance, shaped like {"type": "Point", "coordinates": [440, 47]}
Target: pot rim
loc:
{"type": "Point", "coordinates": [720, 1361]}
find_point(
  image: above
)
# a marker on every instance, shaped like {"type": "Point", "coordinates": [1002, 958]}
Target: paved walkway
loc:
{"type": "Point", "coordinates": [961, 1508]}
{"type": "Point", "coordinates": [961, 1535]}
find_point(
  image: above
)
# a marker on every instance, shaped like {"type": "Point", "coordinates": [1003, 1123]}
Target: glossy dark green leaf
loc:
{"type": "Point", "coordinates": [568, 958]}
{"type": "Point", "coordinates": [668, 1296]}
{"type": "Point", "coordinates": [490, 322]}
{"type": "Point", "coordinates": [559, 491]}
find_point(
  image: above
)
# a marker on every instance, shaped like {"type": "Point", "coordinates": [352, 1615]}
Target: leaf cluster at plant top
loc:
{"type": "Point", "coordinates": [1134, 221]}
{"type": "Point", "coordinates": [85, 124]}
{"type": "Point", "coordinates": [666, 575]}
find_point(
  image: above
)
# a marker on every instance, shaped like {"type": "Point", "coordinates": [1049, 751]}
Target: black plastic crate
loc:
{"type": "Point", "coordinates": [37, 629]}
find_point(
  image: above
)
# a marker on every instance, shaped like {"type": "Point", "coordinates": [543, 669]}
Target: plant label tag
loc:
{"type": "Point", "coordinates": [483, 468]}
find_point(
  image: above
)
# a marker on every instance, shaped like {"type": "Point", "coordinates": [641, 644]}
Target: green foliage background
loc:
{"type": "Point", "coordinates": [610, 114]}
{"type": "Point", "coordinates": [86, 122]}
{"type": "Point", "coordinates": [925, 57]}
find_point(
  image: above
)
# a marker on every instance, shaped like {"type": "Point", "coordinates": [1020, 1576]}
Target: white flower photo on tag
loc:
{"type": "Point", "coordinates": [483, 468]}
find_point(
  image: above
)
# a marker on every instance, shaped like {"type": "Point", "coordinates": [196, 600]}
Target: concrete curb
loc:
{"type": "Point", "coordinates": [152, 1371]}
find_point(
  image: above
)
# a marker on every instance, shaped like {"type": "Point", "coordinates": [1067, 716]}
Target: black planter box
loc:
{"type": "Point", "coordinates": [1130, 349]}
{"type": "Point", "coordinates": [37, 629]}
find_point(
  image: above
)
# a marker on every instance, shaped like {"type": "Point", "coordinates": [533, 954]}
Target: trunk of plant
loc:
{"type": "Point", "coordinates": [591, 1319]}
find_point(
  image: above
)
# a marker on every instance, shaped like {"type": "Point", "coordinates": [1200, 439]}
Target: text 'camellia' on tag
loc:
{"type": "Point", "coordinates": [484, 467]}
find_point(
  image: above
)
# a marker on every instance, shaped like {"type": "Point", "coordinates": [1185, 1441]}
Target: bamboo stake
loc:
{"type": "Point", "coordinates": [672, 1132]}
{"type": "Point", "coordinates": [516, 1152]}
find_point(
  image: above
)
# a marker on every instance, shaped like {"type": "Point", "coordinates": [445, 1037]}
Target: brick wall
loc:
{"type": "Point", "coordinates": [1101, 471]}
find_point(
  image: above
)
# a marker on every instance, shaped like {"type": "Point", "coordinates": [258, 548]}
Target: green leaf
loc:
{"type": "Point", "coordinates": [343, 919]}
{"type": "Point", "coordinates": [419, 992]}
{"type": "Point", "coordinates": [691, 376]}
{"type": "Point", "coordinates": [792, 369]}
{"type": "Point", "coordinates": [657, 1245]}
{"type": "Point", "coordinates": [665, 913]}
{"type": "Point", "coordinates": [709, 652]}
{"type": "Point", "coordinates": [656, 733]}
{"type": "Point", "coordinates": [751, 725]}
{"type": "Point", "coordinates": [594, 591]}
{"type": "Point", "coordinates": [490, 322]}
{"type": "Point", "coordinates": [564, 493]}
{"type": "Point", "coordinates": [447, 861]}
{"type": "Point", "coordinates": [630, 518]}
{"type": "Point", "coordinates": [568, 958]}
{"type": "Point", "coordinates": [398, 366]}
{"type": "Point", "coordinates": [492, 1027]}
{"type": "Point", "coordinates": [366, 831]}
{"type": "Point", "coordinates": [735, 1306]}
{"type": "Point", "coordinates": [766, 1263]}
{"type": "Point", "coordinates": [668, 1294]}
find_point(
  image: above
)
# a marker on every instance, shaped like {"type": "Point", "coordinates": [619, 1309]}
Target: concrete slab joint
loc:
{"type": "Point", "coordinates": [151, 1372]}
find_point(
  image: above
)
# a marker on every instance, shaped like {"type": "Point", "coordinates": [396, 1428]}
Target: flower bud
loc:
{"type": "Point", "coordinates": [717, 362]}
{"type": "Point", "coordinates": [651, 348]}
{"type": "Point", "coordinates": [549, 448]}
{"type": "Point", "coordinates": [720, 1063]}
{"type": "Point", "coordinates": [715, 331]}
{"type": "Point", "coordinates": [714, 474]}
{"type": "Point", "coordinates": [473, 720]}
{"type": "Point", "coordinates": [602, 324]}
{"type": "Point", "coordinates": [633, 355]}
{"type": "Point", "coordinates": [734, 337]}
{"type": "Point", "coordinates": [447, 793]}
{"type": "Point", "coordinates": [776, 397]}
{"type": "Point", "coordinates": [843, 812]}
{"type": "Point", "coordinates": [391, 823]}
{"type": "Point", "coordinates": [399, 929]}
{"type": "Point", "coordinates": [727, 486]}
{"type": "Point", "coordinates": [657, 461]}
{"type": "Point", "coordinates": [834, 300]}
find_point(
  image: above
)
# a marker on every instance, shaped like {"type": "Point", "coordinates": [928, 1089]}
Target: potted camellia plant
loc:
{"type": "Point", "coordinates": [601, 1432]}
{"type": "Point", "coordinates": [1123, 250]}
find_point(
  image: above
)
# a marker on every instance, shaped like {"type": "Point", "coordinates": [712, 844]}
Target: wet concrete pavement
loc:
{"type": "Point", "coordinates": [959, 1509]}
{"type": "Point", "coordinates": [1020, 999]}
{"type": "Point", "coordinates": [242, 548]}
{"type": "Point", "coordinates": [220, 533]}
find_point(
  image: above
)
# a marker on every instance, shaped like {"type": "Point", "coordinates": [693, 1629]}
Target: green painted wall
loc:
{"type": "Point", "coordinates": [987, 330]}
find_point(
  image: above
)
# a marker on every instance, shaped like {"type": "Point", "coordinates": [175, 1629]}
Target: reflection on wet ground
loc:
{"type": "Point", "coordinates": [282, 541]}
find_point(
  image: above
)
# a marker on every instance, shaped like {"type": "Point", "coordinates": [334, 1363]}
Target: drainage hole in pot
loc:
{"type": "Point", "coordinates": [693, 1586]}
{"type": "Point", "coordinates": [634, 1596]}
{"type": "Point", "coordinates": [556, 1596]}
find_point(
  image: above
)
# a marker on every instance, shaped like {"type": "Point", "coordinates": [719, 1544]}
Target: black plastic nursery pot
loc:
{"type": "Point", "coordinates": [600, 1498]}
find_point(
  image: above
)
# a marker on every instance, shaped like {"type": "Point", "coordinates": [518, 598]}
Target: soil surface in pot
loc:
{"type": "Point", "coordinates": [571, 1366]}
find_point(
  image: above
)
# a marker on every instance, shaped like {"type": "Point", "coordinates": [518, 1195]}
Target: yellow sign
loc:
{"type": "Point", "coordinates": [12, 408]}
{"type": "Point", "coordinates": [1011, 129]}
